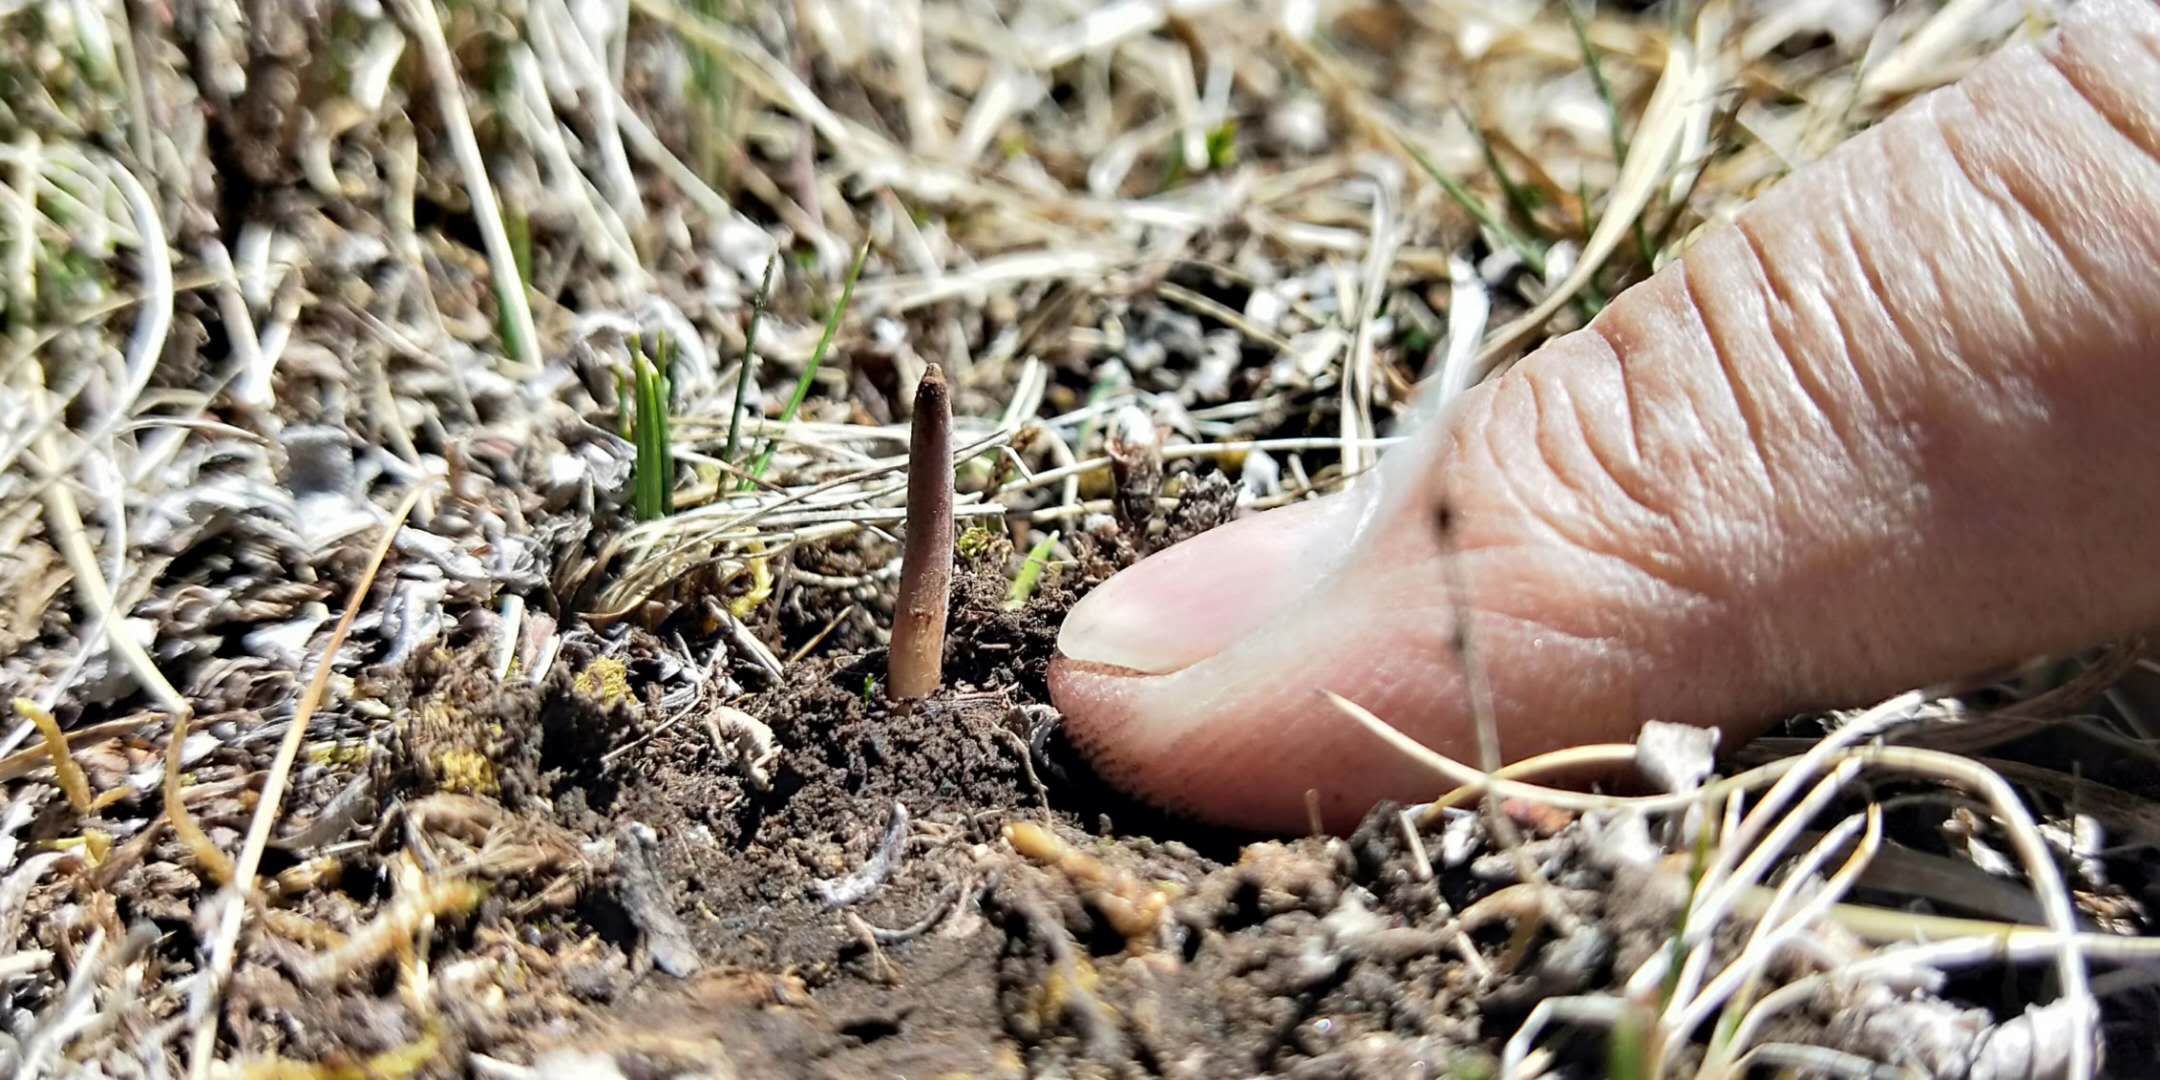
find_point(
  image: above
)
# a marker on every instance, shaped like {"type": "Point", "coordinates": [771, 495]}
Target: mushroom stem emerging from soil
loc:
{"type": "Point", "coordinates": [917, 660]}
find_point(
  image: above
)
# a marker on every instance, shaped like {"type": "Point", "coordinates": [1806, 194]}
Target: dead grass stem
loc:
{"type": "Point", "coordinates": [223, 949]}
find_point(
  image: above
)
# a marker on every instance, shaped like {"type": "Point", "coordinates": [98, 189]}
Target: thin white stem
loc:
{"type": "Point", "coordinates": [487, 212]}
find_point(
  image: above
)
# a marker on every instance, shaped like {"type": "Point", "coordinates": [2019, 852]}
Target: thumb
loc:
{"type": "Point", "coordinates": [1892, 425]}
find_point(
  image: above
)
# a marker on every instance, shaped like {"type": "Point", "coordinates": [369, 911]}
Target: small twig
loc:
{"type": "Point", "coordinates": [1027, 763]}
{"type": "Point", "coordinates": [884, 969]}
{"type": "Point", "coordinates": [739, 632]}
{"type": "Point", "coordinates": [824, 632]}
{"type": "Point", "coordinates": [22, 763]}
{"type": "Point", "coordinates": [1420, 863]}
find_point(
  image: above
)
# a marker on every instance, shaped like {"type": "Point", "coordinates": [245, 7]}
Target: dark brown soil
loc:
{"type": "Point", "coordinates": [655, 890]}
{"type": "Point", "coordinates": [702, 932]}
{"type": "Point", "coordinates": [654, 896]}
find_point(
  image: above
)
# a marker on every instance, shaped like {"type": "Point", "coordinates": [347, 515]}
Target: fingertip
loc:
{"type": "Point", "coordinates": [1191, 601]}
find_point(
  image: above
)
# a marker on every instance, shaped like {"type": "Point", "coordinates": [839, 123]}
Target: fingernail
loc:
{"type": "Point", "coordinates": [1192, 600]}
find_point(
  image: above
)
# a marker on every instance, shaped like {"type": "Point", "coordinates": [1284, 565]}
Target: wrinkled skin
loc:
{"type": "Point", "coordinates": [1895, 424]}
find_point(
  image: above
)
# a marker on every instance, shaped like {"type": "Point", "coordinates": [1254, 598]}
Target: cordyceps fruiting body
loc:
{"type": "Point", "coordinates": [926, 565]}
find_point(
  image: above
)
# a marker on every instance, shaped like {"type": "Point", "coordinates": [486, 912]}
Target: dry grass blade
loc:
{"type": "Point", "coordinates": [209, 858]}
{"type": "Point", "coordinates": [1475, 782]}
{"type": "Point", "coordinates": [522, 337]}
{"type": "Point", "coordinates": [22, 763]}
{"type": "Point", "coordinates": [1718, 892]}
{"type": "Point", "coordinates": [224, 946]}
{"type": "Point", "coordinates": [64, 520]}
{"type": "Point", "coordinates": [72, 782]}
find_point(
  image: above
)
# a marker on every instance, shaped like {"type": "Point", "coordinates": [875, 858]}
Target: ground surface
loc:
{"type": "Point", "coordinates": [586, 791]}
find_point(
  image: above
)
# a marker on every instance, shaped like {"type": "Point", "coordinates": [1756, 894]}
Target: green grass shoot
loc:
{"type": "Point", "coordinates": [749, 357]}
{"type": "Point", "coordinates": [1627, 1054]}
{"type": "Point", "coordinates": [1222, 147]}
{"type": "Point", "coordinates": [1598, 80]}
{"type": "Point", "coordinates": [1612, 122]}
{"type": "Point", "coordinates": [1518, 198]}
{"type": "Point", "coordinates": [817, 360]}
{"type": "Point", "coordinates": [653, 476]}
{"type": "Point", "coordinates": [1031, 569]}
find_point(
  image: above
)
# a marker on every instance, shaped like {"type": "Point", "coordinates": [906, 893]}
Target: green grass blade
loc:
{"type": "Point", "coordinates": [642, 426]}
{"type": "Point", "coordinates": [817, 360]}
{"type": "Point", "coordinates": [1627, 1053]}
{"type": "Point", "coordinates": [1597, 79]}
{"type": "Point", "coordinates": [641, 470]}
{"type": "Point", "coordinates": [640, 473]}
{"type": "Point", "coordinates": [1031, 569]}
{"type": "Point", "coordinates": [652, 489]}
{"type": "Point", "coordinates": [1587, 301]}
{"type": "Point", "coordinates": [1532, 256]}
{"type": "Point", "coordinates": [1518, 199]}
{"type": "Point", "coordinates": [1590, 299]}
{"type": "Point", "coordinates": [749, 356]}
{"type": "Point", "coordinates": [663, 437]}
{"type": "Point", "coordinates": [656, 452]}
{"type": "Point", "coordinates": [1612, 117]}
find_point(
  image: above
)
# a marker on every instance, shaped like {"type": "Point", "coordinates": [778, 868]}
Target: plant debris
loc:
{"type": "Point", "coordinates": [453, 464]}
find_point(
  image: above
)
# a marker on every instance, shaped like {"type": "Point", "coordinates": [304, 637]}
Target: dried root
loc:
{"type": "Point", "coordinates": [1131, 907]}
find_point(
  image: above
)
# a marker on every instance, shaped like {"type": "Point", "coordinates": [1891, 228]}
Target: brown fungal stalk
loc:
{"type": "Point", "coordinates": [917, 660]}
